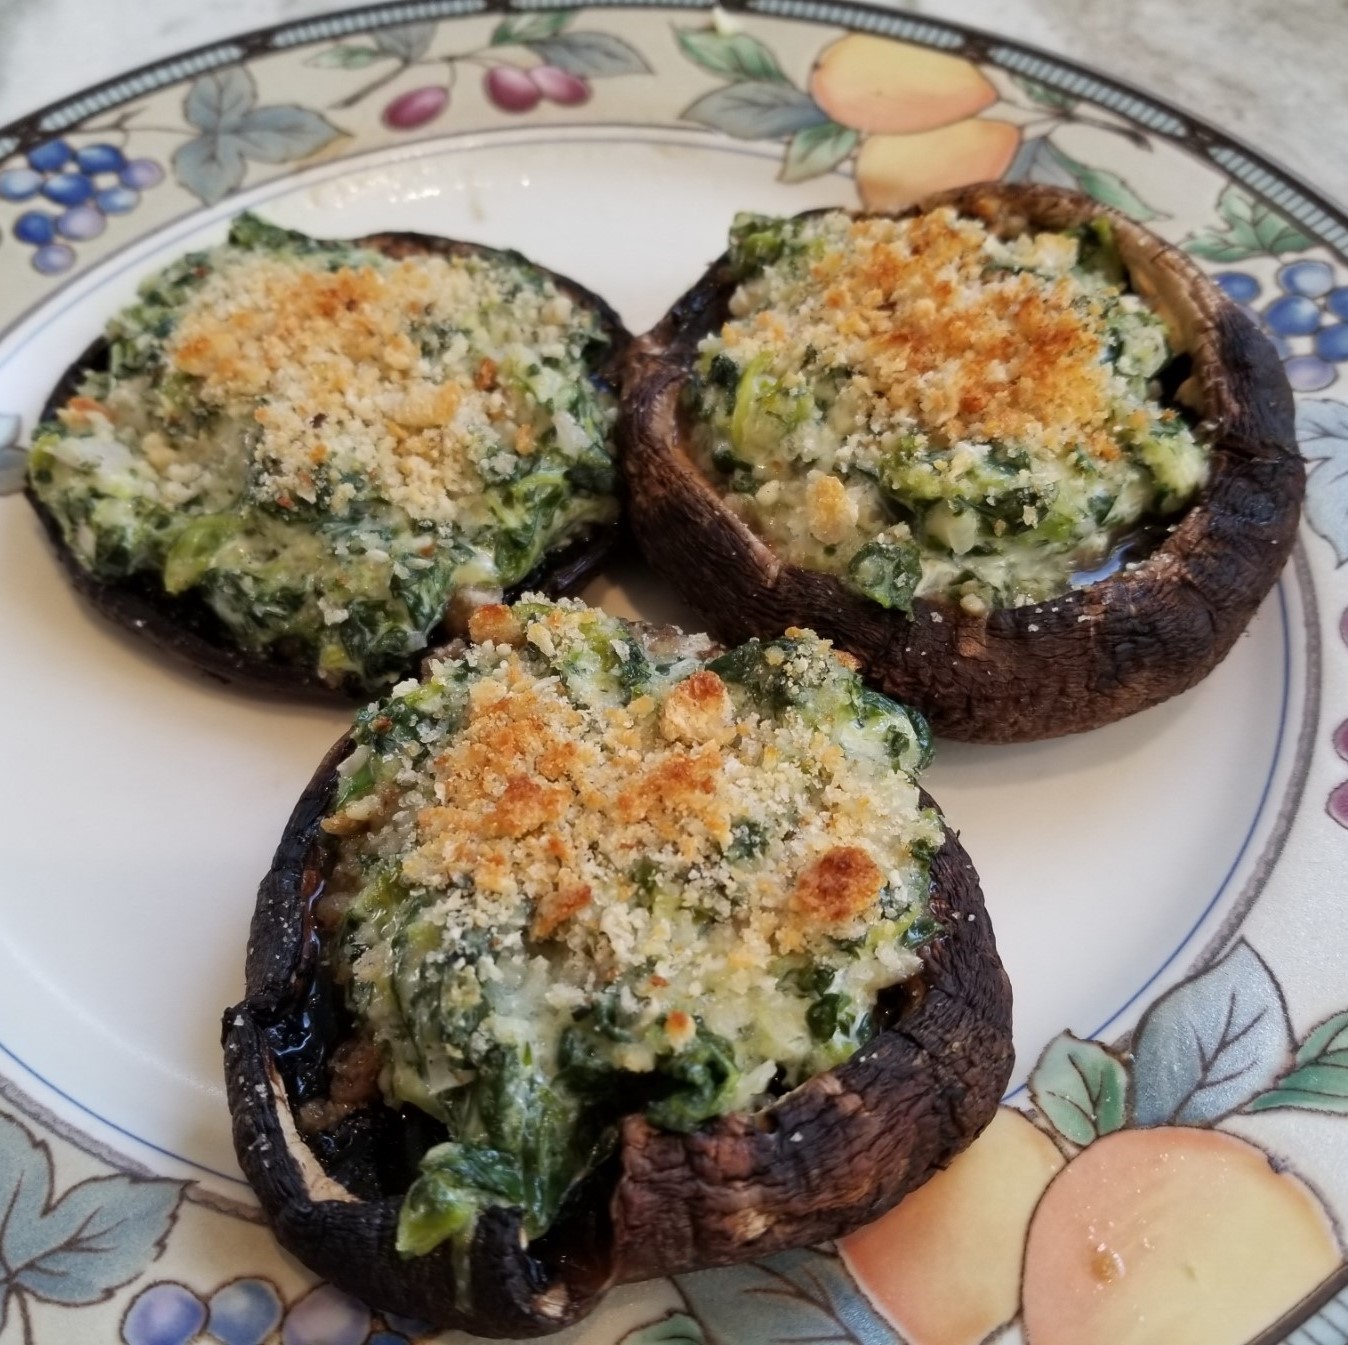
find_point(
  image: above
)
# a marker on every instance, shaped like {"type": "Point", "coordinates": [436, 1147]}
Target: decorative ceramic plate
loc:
{"type": "Point", "coordinates": [1171, 1164]}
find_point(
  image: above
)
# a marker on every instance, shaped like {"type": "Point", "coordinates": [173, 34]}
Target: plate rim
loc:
{"type": "Point", "coordinates": [1197, 137]}
{"type": "Point", "coordinates": [977, 43]}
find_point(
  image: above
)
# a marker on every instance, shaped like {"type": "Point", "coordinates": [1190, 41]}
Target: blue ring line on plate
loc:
{"type": "Point", "coordinates": [469, 143]}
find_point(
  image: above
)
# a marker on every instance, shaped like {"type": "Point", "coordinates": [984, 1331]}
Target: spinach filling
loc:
{"type": "Point", "coordinates": [323, 445]}
{"type": "Point", "coordinates": [577, 875]}
{"type": "Point", "coordinates": [925, 409]}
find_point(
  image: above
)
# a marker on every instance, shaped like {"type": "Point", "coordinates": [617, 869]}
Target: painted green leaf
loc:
{"type": "Point", "coordinates": [283, 133]}
{"type": "Point", "coordinates": [79, 1247]}
{"type": "Point", "coordinates": [1314, 1088]}
{"type": "Point", "coordinates": [346, 58]}
{"type": "Point", "coordinates": [219, 101]}
{"type": "Point", "coordinates": [223, 105]}
{"type": "Point", "coordinates": [1322, 436]}
{"type": "Point", "coordinates": [1218, 247]}
{"type": "Point", "coordinates": [753, 111]}
{"type": "Point", "coordinates": [676, 1329]}
{"type": "Point", "coordinates": [817, 150]}
{"type": "Point", "coordinates": [1103, 186]}
{"type": "Point", "coordinates": [1319, 1082]}
{"type": "Point", "coordinates": [1236, 207]}
{"type": "Point", "coordinates": [1252, 229]}
{"type": "Point", "coordinates": [788, 1299]}
{"type": "Point", "coordinates": [1212, 1044]}
{"type": "Point", "coordinates": [406, 41]}
{"type": "Point", "coordinates": [1328, 1043]}
{"type": "Point", "coordinates": [1081, 1088]}
{"type": "Point", "coordinates": [209, 166]}
{"type": "Point", "coordinates": [591, 55]}
{"type": "Point", "coordinates": [521, 29]}
{"type": "Point", "coordinates": [732, 55]}
{"type": "Point", "coordinates": [1045, 95]}
{"type": "Point", "coordinates": [1278, 235]}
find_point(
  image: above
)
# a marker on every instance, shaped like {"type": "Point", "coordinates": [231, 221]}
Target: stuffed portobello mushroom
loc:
{"type": "Point", "coordinates": [291, 460]}
{"type": "Point", "coordinates": [1009, 449]}
{"type": "Point", "coordinates": [603, 953]}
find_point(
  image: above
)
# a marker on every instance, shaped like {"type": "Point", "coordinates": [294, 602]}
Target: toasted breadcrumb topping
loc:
{"type": "Point", "coordinates": [331, 447]}
{"type": "Point", "coordinates": [577, 810]}
{"type": "Point", "coordinates": [329, 358]}
{"type": "Point", "coordinates": [908, 305]}
{"type": "Point", "coordinates": [982, 408]}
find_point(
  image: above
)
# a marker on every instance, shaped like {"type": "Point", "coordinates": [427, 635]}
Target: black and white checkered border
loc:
{"type": "Point", "coordinates": [888, 23]}
{"type": "Point", "coordinates": [1246, 167]}
{"type": "Point", "coordinates": [359, 21]}
{"type": "Point", "coordinates": [140, 82]}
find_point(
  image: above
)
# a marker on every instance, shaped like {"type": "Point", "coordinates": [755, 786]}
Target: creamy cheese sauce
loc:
{"type": "Point", "coordinates": [585, 869]}
{"type": "Point", "coordinates": [924, 408]}
{"type": "Point", "coordinates": [323, 444]}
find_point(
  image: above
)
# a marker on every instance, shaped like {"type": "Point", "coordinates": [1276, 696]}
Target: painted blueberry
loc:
{"type": "Point", "coordinates": [1309, 373]}
{"type": "Point", "coordinates": [1337, 302]}
{"type": "Point", "coordinates": [35, 227]}
{"type": "Point", "coordinates": [68, 189]}
{"type": "Point", "coordinates": [19, 184]}
{"type": "Point", "coordinates": [117, 200]}
{"type": "Point", "coordinates": [244, 1312]}
{"type": "Point", "coordinates": [1331, 343]}
{"type": "Point", "coordinates": [1338, 804]}
{"type": "Point", "coordinates": [49, 157]}
{"type": "Point", "coordinates": [100, 159]}
{"type": "Point", "coordinates": [141, 173]}
{"type": "Point", "coordinates": [164, 1314]}
{"type": "Point", "coordinates": [326, 1317]}
{"type": "Point", "coordinates": [1313, 279]}
{"type": "Point", "coordinates": [1237, 285]}
{"type": "Point", "coordinates": [1292, 315]}
{"type": "Point", "coordinates": [81, 223]}
{"type": "Point", "coordinates": [53, 259]}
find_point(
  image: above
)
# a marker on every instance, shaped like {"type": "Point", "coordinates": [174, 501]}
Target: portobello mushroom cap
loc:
{"type": "Point", "coordinates": [822, 1160]}
{"type": "Point", "coordinates": [185, 626]}
{"type": "Point", "coordinates": [1015, 674]}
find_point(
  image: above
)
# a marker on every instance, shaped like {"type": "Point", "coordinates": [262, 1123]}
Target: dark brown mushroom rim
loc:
{"type": "Point", "coordinates": [826, 1158]}
{"type": "Point", "coordinates": [186, 627]}
{"type": "Point", "coordinates": [1091, 656]}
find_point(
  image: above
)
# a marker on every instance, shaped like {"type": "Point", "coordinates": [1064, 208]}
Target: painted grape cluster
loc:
{"type": "Point", "coordinates": [1306, 319]}
{"type": "Point", "coordinates": [73, 192]}
{"type": "Point", "coordinates": [250, 1312]}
